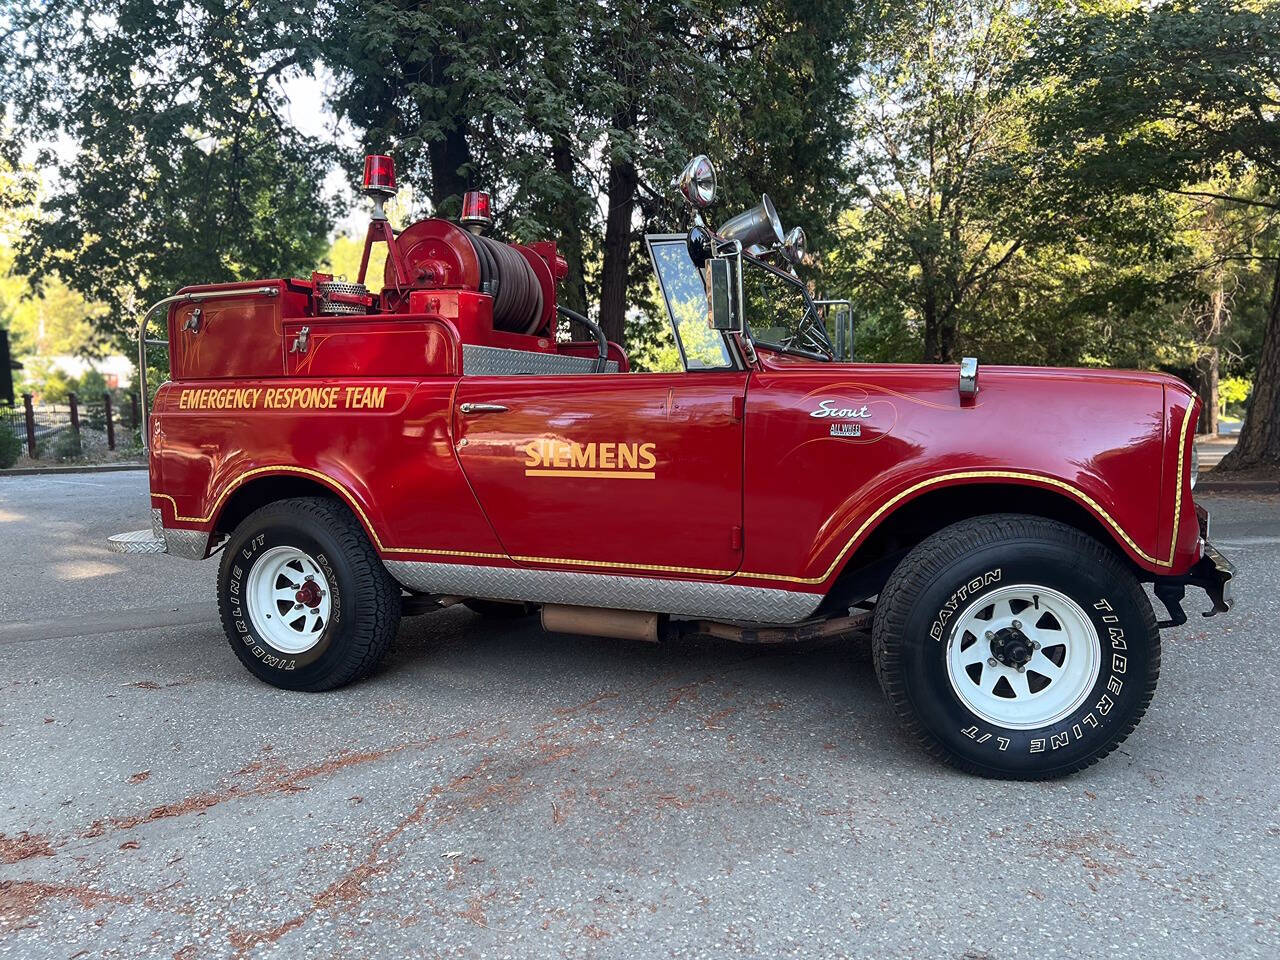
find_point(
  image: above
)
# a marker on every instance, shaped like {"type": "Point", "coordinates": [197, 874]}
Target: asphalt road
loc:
{"type": "Point", "coordinates": [494, 792]}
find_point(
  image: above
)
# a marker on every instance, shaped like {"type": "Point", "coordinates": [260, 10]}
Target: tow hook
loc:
{"type": "Point", "coordinates": [1212, 574]}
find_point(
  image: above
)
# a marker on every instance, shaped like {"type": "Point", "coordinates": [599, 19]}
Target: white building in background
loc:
{"type": "Point", "coordinates": [116, 369]}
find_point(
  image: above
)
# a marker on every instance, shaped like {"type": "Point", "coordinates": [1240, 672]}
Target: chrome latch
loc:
{"type": "Point", "coordinates": [193, 321]}
{"type": "Point", "coordinates": [301, 341]}
{"type": "Point", "coordinates": [969, 378]}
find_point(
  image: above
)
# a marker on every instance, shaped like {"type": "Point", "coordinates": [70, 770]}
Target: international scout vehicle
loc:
{"type": "Point", "coordinates": [355, 457]}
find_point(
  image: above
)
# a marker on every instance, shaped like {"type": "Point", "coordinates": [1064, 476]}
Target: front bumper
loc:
{"type": "Point", "coordinates": [1213, 573]}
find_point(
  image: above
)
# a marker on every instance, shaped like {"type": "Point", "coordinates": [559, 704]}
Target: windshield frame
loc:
{"type": "Point", "coordinates": [730, 344]}
{"type": "Point", "coordinates": [829, 357]}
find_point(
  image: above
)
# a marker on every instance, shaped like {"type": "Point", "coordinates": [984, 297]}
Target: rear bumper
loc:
{"type": "Point", "coordinates": [189, 544]}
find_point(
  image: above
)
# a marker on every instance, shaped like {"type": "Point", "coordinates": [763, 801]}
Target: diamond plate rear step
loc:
{"type": "Point", "coordinates": [136, 541]}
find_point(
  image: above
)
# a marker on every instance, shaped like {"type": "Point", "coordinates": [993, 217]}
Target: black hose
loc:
{"type": "Point", "coordinates": [603, 359]}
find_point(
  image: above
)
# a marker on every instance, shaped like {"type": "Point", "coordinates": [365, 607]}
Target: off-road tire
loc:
{"type": "Point", "coordinates": [365, 601]}
{"type": "Point", "coordinates": [500, 609]}
{"type": "Point", "coordinates": [926, 600]}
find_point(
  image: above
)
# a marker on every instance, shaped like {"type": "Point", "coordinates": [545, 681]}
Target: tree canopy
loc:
{"type": "Point", "coordinates": [1046, 182]}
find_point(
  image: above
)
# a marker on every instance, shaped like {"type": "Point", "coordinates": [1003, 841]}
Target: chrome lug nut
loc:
{"type": "Point", "coordinates": [1017, 624]}
{"type": "Point", "coordinates": [991, 661]}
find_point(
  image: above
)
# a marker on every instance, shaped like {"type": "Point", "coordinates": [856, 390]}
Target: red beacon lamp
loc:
{"type": "Point", "coordinates": [379, 186]}
{"type": "Point", "coordinates": [379, 181]}
{"type": "Point", "coordinates": [477, 215]}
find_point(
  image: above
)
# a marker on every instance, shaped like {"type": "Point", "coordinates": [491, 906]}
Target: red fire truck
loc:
{"type": "Point", "coordinates": [355, 457]}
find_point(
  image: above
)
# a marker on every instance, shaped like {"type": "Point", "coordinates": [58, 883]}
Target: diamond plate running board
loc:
{"type": "Point", "coordinates": [136, 541]}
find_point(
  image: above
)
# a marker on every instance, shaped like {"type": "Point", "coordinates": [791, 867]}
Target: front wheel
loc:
{"type": "Point", "coordinates": [1016, 646]}
{"type": "Point", "coordinates": [306, 602]}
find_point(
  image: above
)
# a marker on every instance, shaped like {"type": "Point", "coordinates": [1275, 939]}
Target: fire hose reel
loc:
{"type": "Point", "coordinates": [438, 254]}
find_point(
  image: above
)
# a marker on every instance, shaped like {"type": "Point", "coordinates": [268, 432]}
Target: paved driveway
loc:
{"type": "Point", "coordinates": [493, 791]}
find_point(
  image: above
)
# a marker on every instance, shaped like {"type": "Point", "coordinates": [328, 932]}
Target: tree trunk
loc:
{"type": "Point", "coordinates": [932, 340]}
{"type": "Point", "coordinates": [1259, 444]}
{"type": "Point", "coordinates": [450, 154]}
{"type": "Point", "coordinates": [1210, 327]}
{"type": "Point", "coordinates": [447, 157]}
{"type": "Point", "coordinates": [1207, 389]}
{"type": "Point", "coordinates": [939, 337]}
{"type": "Point", "coordinates": [616, 267]}
{"type": "Point", "coordinates": [573, 290]}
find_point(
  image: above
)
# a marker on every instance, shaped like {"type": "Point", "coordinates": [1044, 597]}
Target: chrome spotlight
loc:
{"type": "Point", "coordinates": [698, 182]}
{"type": "Point", "coordinates": [795, 246]}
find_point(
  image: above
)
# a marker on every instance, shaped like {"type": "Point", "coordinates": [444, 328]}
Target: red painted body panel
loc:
{"type": "Point", "coordinates": [373, 346]}
{"type": "Point", "coordinates": [1093, 436]}
{"type": "Point", "coordinates": [767, 477]}
{"type": "Point", "coordinates": [396, 466]}
{"type": "Point", "coordinates": [669, 509]}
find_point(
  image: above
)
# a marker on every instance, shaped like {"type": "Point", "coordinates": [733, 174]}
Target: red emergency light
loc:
{"type": "Point", "coordinates": [379, 176]}
{"type": "Point", "coordinates": [475, 210]}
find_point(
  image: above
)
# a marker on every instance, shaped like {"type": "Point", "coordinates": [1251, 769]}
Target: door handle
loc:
{"type": "Point", "coordinates": [482, 408]}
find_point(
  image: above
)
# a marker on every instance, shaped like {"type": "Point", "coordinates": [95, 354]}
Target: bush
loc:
{"type": "Point", "coordinates": [67, 446]}
{"type": "Point", "coordinates": [10, 447]}
{"type": "Point", "coordinates": [1233, 393]}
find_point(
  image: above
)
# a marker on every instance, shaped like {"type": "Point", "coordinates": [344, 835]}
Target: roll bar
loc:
{"type": "Point", "coordinates": [143, 342]}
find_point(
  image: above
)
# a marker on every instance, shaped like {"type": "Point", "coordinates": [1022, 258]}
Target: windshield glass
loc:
{"type": "Point", "coordinates": [684, 288]}
{"type": "Point", "coordinates": [780, 314]}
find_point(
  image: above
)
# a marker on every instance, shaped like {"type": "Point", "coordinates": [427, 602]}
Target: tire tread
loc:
{"type": "Point", "coordinates": [377, 595]}
{"type": "Point", "coordinates": [927, 560]}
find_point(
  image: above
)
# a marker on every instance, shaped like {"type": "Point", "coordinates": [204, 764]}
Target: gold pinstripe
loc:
{"type": "Point", "coordinates": [328, 481]}
{"type": "Point", "coordinates": [743, 574]}
{"type": "Point", "coordinates": [1177, 499]}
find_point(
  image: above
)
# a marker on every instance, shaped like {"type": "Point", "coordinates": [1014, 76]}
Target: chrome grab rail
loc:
{"type": "Point", "coordinates": [143, 342]}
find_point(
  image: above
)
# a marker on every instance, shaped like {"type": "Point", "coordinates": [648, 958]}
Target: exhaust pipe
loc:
{"type": "Point", "coordinates": [598, 622]}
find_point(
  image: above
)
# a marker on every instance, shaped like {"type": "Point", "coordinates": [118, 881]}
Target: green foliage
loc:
{"type": "Point", "coordinates": [67, 446]}
{"type": "Point", "coordinates": [1233, 392]}
{"type": "Point", "coordinates": [569, 100]}
{"type": "Point", "coordinates": [1040, 182]}
{"type": "Point", "coordinates": [11, 446]}
{"type": "Point", "coordinates": [1145, 96]}
{"type": "Point", "coordinates": [46, 382]}
{"type": "Point", "coordinates": [186, 172]}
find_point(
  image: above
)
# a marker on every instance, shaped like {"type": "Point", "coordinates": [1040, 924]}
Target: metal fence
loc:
{"type": "Point", "coordinates": [81, 426]}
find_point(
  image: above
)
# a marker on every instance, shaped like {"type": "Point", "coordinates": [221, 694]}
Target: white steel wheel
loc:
{"type": "Point", "coordinates": [289, 599]}
{"type": "Point", "coordinates": [1023, 656]}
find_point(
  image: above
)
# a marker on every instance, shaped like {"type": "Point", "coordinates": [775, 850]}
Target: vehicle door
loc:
{"type": "Point", "coordinates": [636, 472]}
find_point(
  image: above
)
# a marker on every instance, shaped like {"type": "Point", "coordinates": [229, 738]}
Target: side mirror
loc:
{"type": "Point", "coordinates": [700, 245]}
{"type": "Point", "coordinates": [723, 316]}
{"type": "Point", "coordinates": [844, 334]}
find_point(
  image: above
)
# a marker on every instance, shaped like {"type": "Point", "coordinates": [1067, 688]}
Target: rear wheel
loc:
{"type": "Point", "coordinates": [305, 600]}
{"type": "Point", "coordinates": [1016, 646]}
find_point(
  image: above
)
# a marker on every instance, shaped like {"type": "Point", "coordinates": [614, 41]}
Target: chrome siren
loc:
{"type": "Point", "coordinates": [759, 225]}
